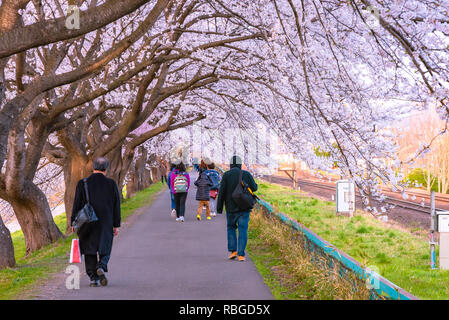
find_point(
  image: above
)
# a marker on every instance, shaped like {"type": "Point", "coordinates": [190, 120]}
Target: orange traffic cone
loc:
{"type": "Point", "coordinates": [75, 254]}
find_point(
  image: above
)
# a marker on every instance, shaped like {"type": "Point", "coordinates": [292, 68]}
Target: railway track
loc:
{"type": "Point", "coordinates": [422, 207]}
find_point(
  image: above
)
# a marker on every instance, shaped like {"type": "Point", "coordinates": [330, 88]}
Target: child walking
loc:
{"type": "Point", "coordinates": [180, 184]}
{"type": "Point", "coordinates": [216, 178]}
{"type": "Point", "coordinates": [203, 183]}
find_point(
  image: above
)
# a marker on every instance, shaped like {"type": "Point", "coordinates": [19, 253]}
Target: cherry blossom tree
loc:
{"type": "Point", "coordinates": [30, 85]}
{"type": "Point", "coordinates": [332, 75]}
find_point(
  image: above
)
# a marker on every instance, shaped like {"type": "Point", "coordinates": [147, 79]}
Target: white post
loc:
{"type": "Point", "coordinates": [351, 203]}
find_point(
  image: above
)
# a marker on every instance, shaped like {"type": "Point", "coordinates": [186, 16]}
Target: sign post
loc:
{"type": "Point", "coordinates": [345, 202]}
{"type": "Point", "coordinates": [443, 229]}
{"type": "Point", "coordinates": [292, 176]}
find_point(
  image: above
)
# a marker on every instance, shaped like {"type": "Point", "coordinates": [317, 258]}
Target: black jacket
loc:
{"type": "Point", "coordinates": [228, 184]}
{"type": "Point", "coordinates": [104, 198]}
{"type": "Point", "coordinates": [203, 183]}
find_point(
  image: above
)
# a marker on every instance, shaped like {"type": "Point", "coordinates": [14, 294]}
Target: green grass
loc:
{"type": "Point", "coordinates": [38, 266]}
{"type": "Point", "coordinates": [398, 255]}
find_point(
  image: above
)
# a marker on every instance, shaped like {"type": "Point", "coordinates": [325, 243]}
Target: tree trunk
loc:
{"type": "Point", "coordinates": [133, 183]}
{"type": "Point", "coordinates": [137, 174]}
{"type": "Point", "coordinates": [150, 176]}
{"type": "Point", "coordinates": [140, 168]}
{"type": "Point", "coordinates": [146, 178]}
{"type": "Point", "coordinates": [428, 180]}
{"type": "Point", "coordinates": [6, 247]}
{"type": "Point", "coordinates": [156, 173]}
{"type": "Point", "coordinates": [119, 167]}
{"type": "Point", "coordinates": [34, 216]}
{"type": "Point", "coordinates": [76, 168]}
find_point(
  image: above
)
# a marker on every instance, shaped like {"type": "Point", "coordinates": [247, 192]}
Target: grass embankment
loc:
{"type": "Point", "coordinates": [398, 255]}
{"type": "Point", "coordinates": [38, 266]}
{"type": "Point", "coordinates": [288, 270]}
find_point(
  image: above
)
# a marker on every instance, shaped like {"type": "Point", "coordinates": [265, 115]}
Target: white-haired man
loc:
{"type": "Point", "coordinates": [95, 238]}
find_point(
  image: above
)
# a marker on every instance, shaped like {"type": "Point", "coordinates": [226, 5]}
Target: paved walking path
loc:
{"type": "Point", "coordinates": [159, 258]}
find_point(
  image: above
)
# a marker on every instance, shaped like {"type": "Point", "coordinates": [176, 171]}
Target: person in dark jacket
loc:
{"type": "Point", "coordinates": [235, 217]}
{"type": "Point", "coordinates": [96, 237]}
{"type": "Point", "coordinates": [164, 171]}
{"type": "Point", "coordinates": [203, 183]}
{"type": "Point", "coordinates": [196, 164]}
{"type": "Point", "coordinates": [216, 178]}
{"type": "Point", "coordinates": [202, 167]}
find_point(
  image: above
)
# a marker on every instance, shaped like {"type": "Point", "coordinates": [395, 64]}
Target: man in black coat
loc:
{"type": "Point", "coordinates": [96, 237]}
{"type": "Point", "coordinates": [235, 217]}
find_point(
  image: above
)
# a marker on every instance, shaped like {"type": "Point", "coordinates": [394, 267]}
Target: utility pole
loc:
{"type": "Point", "coordinates": [432, 230]}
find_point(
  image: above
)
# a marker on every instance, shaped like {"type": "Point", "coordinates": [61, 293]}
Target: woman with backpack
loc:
{"type": "Point", "coordinates": [180, 184]}
{"type": "Point", "coordinates": [216, 178]}
{"type": "Point", "coordinates": [203, 183]}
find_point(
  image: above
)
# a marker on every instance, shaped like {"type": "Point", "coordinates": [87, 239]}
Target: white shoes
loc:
{"type": "Point", "coordinates": [213, 214]}
{"type": "Point", "coordinates": [173, 213]}
{"type": "Point", "coordinates": [180, 219]}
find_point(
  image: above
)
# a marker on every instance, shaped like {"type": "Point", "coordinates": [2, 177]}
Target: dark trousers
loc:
{"type": "Point", "coordinates": [163, 178]}
{"type": "Point", "coordinates": [93, 262]}
{"type": "Point", "coordinates": [180, 201]}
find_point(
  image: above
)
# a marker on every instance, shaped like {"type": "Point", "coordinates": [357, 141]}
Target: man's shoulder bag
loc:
{"type": "Point", "coordinates": [242, 196]}
{"type": "Point", "coordinates": [86, 214]}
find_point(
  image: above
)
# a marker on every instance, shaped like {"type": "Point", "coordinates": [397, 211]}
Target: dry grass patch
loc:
{"type": "Point", "coordinates": [287, 268]}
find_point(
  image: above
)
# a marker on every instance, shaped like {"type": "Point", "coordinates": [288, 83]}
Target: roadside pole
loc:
{"type": "Point", "coordinates": [432, 230]}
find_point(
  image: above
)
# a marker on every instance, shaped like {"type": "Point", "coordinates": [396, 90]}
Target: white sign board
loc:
{"type": "Point", "coordinates": [443, 221]}
{"type": "Point", "coordinates": [443, 228]}
{"type": "Point", "coordinates": [345, 196]}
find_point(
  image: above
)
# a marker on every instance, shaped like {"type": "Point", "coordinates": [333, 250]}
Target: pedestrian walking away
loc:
{"type": "Point", "coordinates": [180, 184]}
{"type": "Point", "coordinates": [202, 167]}
{"type": "Point", "coordinates": [95, 238]}
{"type": "Point", "coordinates": [164, 171]}
{"type": "Point", "coordinates": [196, 165]}
{"type": "Point", "coordinates": [172, 196]}
{"type": "Point", "coordinates": [203, 184]}
{"type": "Point", "coordinates": [216, 178]}
{"type": "Point", "coordinates": [236, 218]}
